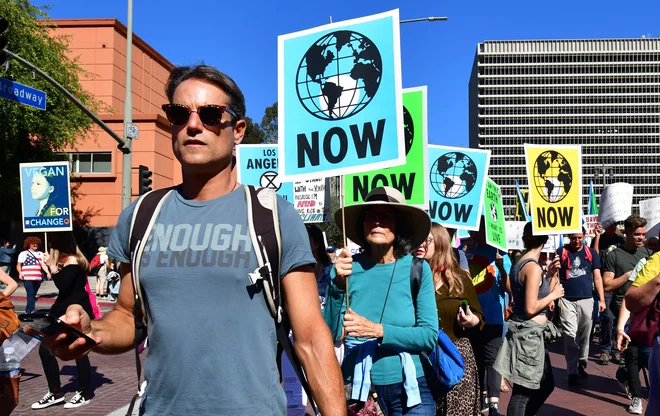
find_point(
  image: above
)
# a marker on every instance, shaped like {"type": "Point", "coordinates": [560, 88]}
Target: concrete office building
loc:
{"type": "Point", "coordinates": [603, 94]}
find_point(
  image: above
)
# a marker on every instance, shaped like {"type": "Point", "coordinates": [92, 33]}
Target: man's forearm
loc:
{"type": "Point", "coordinates": [615, 283]}
{"type": "Point", "coordinates": [322, 369]}
{"type": "Point", "coordinates": [638, 298]}
{"type": "Point", "coordinates": [598, 282]}
{"type": "Point", "coordinates": [116, 330]}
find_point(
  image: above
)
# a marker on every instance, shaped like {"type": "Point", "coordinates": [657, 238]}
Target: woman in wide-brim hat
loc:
{"type": "Point", "coordinates": [385, 329]}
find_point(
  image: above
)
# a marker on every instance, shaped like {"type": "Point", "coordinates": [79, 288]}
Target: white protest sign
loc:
{"type": "Point", "coordinates": [552, 244]}
{"type": "Point", "coordinates": [514, 233]}
{"type": "Point", "coordinates": [615, 203]}
{"type": "Point", "coordinates": [650, 210]}
{"type": "Point", "coordinates": [312, 199]}
{"type": "Point", "coordinates": [353, 248]}
{"type": "Point", "coordinates": [590, 222]}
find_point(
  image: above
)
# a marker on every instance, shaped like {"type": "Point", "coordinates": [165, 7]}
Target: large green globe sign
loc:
{"type": "Point", "coordinates": [453, 175]}
{"type": "Point", "coordinates": [553, 176]}
{"type": "Point", "coordinates": [339, 75]}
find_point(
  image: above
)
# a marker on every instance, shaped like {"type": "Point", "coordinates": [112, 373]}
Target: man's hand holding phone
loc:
{"type": "Point", "coordinates": [74, 338]}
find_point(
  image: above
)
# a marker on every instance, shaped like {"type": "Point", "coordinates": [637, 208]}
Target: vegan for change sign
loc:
{"type": "Point", "coordinates": [554, 174]}
{"type": "Point", "coordinates": [257, 165]}
{"type": "Point", "coordinates": [494, 216]}
{"type": "Point", "coordinates": [45, 196]}
{"type": "Point", "coordinates": [409, 179]}
{"type": "Point", "coordinates": [457, 177]}
{"type": "Point", "coordinates": [339, 94]}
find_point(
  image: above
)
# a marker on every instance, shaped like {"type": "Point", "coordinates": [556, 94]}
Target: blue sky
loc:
{"type": "Point", "coordinates": [240, 38]}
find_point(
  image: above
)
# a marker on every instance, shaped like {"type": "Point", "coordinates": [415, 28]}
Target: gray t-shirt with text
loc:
{"type": "Point", "coordinates": [212, 341]}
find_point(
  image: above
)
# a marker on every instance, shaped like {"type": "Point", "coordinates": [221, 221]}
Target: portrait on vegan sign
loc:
{"type": "Point", "coordinates": [46, 196]}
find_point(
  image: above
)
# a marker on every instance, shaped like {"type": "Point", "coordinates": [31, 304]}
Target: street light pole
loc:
{"type": "Point", "coordinates": [127, 161]}
{"type": "Point", "coordinates": [425, 19]}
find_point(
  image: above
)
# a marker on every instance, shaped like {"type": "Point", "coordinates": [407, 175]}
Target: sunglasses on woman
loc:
{"type": "Point", "coordinates": [210, 114]}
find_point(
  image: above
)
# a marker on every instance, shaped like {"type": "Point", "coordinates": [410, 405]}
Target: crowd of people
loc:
{"type": "Point", "coordinates": [362, 324]}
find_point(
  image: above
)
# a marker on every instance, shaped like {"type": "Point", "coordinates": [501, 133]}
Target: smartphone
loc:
{"type": "Point", "coordinates": [464, 306]}
{"type": "Point", "coordinates": [47, 324]}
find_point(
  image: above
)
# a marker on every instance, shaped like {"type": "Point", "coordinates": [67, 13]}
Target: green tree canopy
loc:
{"type": "Point", "coordinates": [269, 123]}
{"type": "Point", "coordinates": [28, 134]}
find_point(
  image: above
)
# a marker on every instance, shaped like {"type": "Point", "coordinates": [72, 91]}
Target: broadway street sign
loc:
{"type": "Point", "coordinates": [22, 94]}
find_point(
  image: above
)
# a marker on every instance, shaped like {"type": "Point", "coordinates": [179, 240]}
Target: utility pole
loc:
{"type": "Point", "coordinates": [127, 158]}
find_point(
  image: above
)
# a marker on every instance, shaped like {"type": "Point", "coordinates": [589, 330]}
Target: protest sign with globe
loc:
{"type": "Point", "coordinates": [554, 174]}
{"type": "Point", "coordinates": [457, 178]}
{"type": "Point", "coordinates": [339, 98]}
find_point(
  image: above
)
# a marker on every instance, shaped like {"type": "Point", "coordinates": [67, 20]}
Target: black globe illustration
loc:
{"type": "Point", "coordinates": [408, 129]}
{"type": "Point", "coordinates": [453, 175]}
{"type": "Point", "coordinates": [553, 176]}
{"type": "Point", "coordinates": [339, 75]}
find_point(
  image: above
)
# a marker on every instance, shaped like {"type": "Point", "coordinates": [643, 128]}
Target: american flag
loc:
{"type": "Point", "coordinates": [32, 266]}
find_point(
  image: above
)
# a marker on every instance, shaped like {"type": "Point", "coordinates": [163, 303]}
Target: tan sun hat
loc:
{"type": "Point", "coordinates": [416, 222]}
{"type": "Point", "coordinates": [102, 249]}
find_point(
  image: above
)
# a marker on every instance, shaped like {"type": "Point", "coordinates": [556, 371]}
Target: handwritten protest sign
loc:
{"type": "Point", "coordinates": [494, 216]}
{"type": "Point", "coordinates": [340, 98]}
{"type": "Point", "coordinates": [590, 222]}
{"type": "Point", "coordinates": [312, 200]}
{"type": "Point", "coordinates": [615, 203]}
{"type": "Point", "coordinates": [514, 233]}
{"type": "Point", "coordinates": [45, 196]}
{"type": "Point", "coordinates": [650, 210]}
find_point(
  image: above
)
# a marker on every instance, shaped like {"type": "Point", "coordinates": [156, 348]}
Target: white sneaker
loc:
{"type": "Point", "coordinates": [49, 399]}
{"type": "Point", "coordinates": [636, 406]}
{"type": "Point", "coordinates": [77, 401]}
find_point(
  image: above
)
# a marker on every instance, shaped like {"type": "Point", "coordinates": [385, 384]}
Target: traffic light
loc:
{"type": "Point", "coordinates": [145, 179]}
{"type": "Point", "coordinates": [4, 56]}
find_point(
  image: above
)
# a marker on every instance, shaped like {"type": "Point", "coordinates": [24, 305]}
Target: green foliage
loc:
{"type": "Point", "coordinates": [28, 134]}
{"type": "Point", "coordinates": [253, 133]}
{"type": "Point", "coordinates": [269, 123]}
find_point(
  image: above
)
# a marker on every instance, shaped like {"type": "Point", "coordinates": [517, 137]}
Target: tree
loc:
{"type": "Point", "coordinates": [28, 134]}
{"type": "Point", "coordinates": [269, 123]}
{"type": "Point", "coordinates": [253, 132]}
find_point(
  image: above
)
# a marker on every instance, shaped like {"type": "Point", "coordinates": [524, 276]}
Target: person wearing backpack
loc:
{"type": "Point", "coordinates": [453, 286]}
{"type": "Point", "coordinates": [523, 358]}
{"type": "Point", "coordinates": [383, 328]}
{"type": "Point", "coordinates": [580, 271]}
{"type": "Point", "coordinates": [212, 345]}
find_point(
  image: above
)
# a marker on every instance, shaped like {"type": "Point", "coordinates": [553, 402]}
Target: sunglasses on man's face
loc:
{"type": "Point", "coordinates": [210, 114]}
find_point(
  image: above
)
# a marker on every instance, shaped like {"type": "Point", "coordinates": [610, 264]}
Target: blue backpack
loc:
{"type": "Point", "coordinates": [445, 359]}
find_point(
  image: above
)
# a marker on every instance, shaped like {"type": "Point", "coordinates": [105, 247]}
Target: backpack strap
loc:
{"type": "Point", "coordinates": [144, 216]}
{"type": "Point", "coordinates": [416, 277]}
{"type": "Point", "coordinates": [263, 222]}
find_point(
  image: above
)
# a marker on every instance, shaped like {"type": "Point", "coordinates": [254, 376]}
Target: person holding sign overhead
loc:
{"type": "Point", "coordinates": [384, 330]}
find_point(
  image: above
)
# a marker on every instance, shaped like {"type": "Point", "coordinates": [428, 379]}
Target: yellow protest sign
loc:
{"type": "Point", "coordinates": [554, 174]}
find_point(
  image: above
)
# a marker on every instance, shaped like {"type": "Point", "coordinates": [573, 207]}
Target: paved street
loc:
{"type": "Point", "coordinates": [114, 382]}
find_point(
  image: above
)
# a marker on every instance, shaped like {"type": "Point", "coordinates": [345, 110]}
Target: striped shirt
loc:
{"type": "Point", "coordinates": [31, 264]}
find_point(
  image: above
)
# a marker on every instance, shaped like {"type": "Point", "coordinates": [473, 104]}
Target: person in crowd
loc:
{"type": "Point", "coordinates": [645, 290]}
{"type": "Point", "coordinates": [9, 283]}
{"type": "Point", "coordinates": [605, 238]}
{"type": "Point", "coordinates": [489, 272]}
{"type": "Point", "coordinates": [579, 273]}
{"type": "Point", "coordinates": [529, 330]}
{"type": "Point", "coordinates": [206, 111]}
{"type": "Point", "coordinates": [102, 273]}
{"type": "Point", "coordinates": [652, 244]}
{"type": "Point", "coordinates": [31, 268]}
{"type": "Point", "coordinates": [332, 253]}
{"type": "Point", "coordinates": [69, 268]}
{"type": "Point", "coordinates": [114, 281]}
{"type": "Point", "coordinates": [617, 267]}
{"type": "Point", "coordinates": [384, 330]}
{"type": "Point", "coordinates": [453, 286]}
{"type": "Point", "coordinates": [462, 259]}
{"type": "Point", "coordinates": [514, 255]}
{"type": "Point", "coordinates": [6, 254]}
{"type": "Point", "coordinates": [323, 263]}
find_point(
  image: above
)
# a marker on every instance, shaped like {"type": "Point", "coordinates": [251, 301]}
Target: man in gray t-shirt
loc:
{"type": "Point", "coordinates": [212, 341]}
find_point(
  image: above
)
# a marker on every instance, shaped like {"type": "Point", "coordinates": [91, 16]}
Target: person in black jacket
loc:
{"type": "Point", "coordinates": [69, 268]}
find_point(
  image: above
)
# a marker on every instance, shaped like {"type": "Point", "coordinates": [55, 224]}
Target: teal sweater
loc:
{"type": "Point", "coordinates": [405, 328]}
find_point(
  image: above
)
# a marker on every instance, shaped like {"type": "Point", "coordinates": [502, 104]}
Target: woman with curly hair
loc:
{"type": "Point", "coordinates": [30, 267]}
{"type": "Point", "coordinates": [453, 287]}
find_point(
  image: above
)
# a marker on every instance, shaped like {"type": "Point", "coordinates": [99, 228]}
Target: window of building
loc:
{"type": "Point", "coordinates": [97, 162]}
